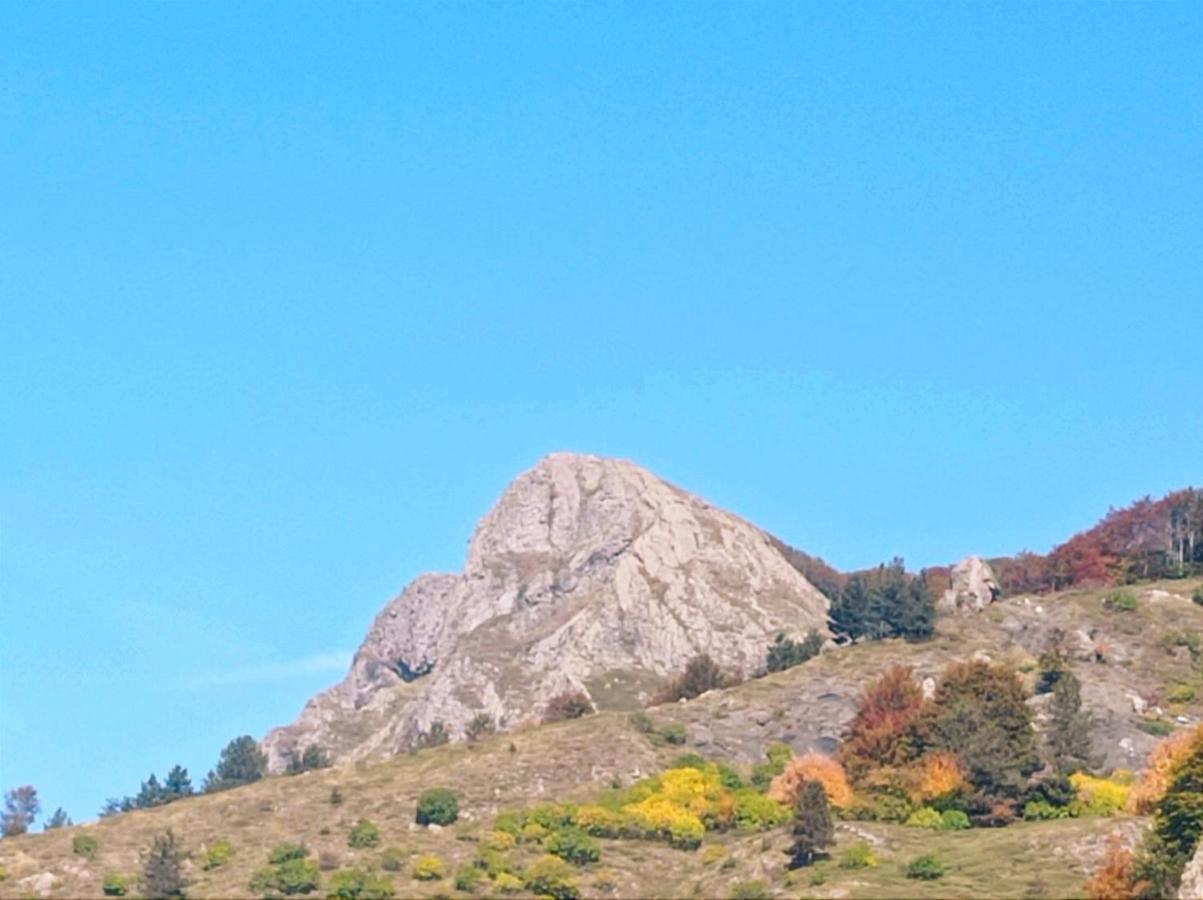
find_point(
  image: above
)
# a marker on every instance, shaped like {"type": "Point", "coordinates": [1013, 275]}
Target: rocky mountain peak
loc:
{"type": "Point", "coordinates": [589, 574]}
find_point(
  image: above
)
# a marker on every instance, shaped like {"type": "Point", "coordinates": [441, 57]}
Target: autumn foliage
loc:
{"type": "Point", "coordinates": [1165, 759]}
{"type": "Point", "coordinates": [881, 734]}
{"type": "Point", "coordinates": [827, 771]}
{"type": "Point", "coordinates": [941, 774]}
{"type": "Point", "coordinates": [1115, 877]}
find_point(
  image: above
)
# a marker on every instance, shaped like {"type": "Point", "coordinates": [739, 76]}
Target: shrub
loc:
{"type": "Point", "coordinates": [1121, 601]}
{"type": "Point", "coordinates": [785, 653]}
{"type": "Point", "coordinates": [1115, 878]}
{"type": "Point", "coordinates": [714, 853]}
{"type": "Point", "coordinates": [750, 890]}
{"type": "Point", "coordinates": [532, 833]}
{"type": "Point", "coordinates": [467, 878]}
{"type": "Point", "coordinates": [429, 867]}
{"type": "Point", "coordinates": [1167, 756]}
{"type": "Point", "coordinates": [356, 884]}
{"type": "Point", "coordinates": [437, 806]}
{"type": "Point", "coordinates": [313, 757]}
{"type": "Point", "coordinates": [437, 736]}
{"type": "Point", "coordinates": [1156, 727]}
{"type": "Point", "coordinates": [642, 722]}
{"type": "Point", "coordinates": [1197, 596]}
{"type": "Point", "coordinates": [925, 868]}
{"type": "Point", "coordinates": [689, 761]}
{"type": "Point", "coordinates": [730, 778]}
{"type": "Point", "coordinates": [364, 834]}
{"type": "Point", "coordinates": [859, 856]}
{"type": "Point", "coordinates": [500, 841]}
{"type": "Point", "coordinates": [1180, 693]}
{"type": "Point", "coordinates": [116, 885]}
{"type": "Point", "coordinates": [574, 846]}
{"type": "Point", "coordinates": [954, 820]}
{"type": "Point", "coordinates": [282, 853]}
{"type": "Point", "coordinates": [702, 674]}
{"type": "Point", "coordinates": [1098, 796]}
{"type": "Point", "coordinates": [393, 859]}
{"type": "Point", "coordinates": [218, 855]}
{"type": "Point", "coordinates": [482, 725]}
{"type": "Point", "coordinates": [3, 872]}
{"type": "Point", "coordinates": [1042, 810]}
{"type": "Point", "coordinates": [84, 845]}
{"type": "Point", "coordinates": [941, 777]}
{"type": "Point", "coordinates": [507, 883]}
{"type": "Point", "coordinates": [568, 705]}
{"type": "Point", "coordinates": [826, 770]}
{"type": "Point", "coordinates": [672, 733]}
{"type": "Point", "coordinates": [753, 811]}
{"type": "Point", "coordinates": [162, 868]}
{"type": "Point", "coordinates": [550, 876]}
{"type": "Point", "coordinates": [292, 876]}
{"type": "Point", "coordinates": [925, 818]}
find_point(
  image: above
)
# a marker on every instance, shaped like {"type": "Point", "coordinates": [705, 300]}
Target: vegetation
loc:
{"type": "Point", "coordinates": [1116, 878]}
{"type": "Point", "coordinates": [241, 762]}
{"type": "Point", "coordinates": [568, 705]}
{"type": "Point", "coordinates": [437, 736]}
{"type": "Point", "coordinates": [1068, 734]}
{"type": "Point", "coordinates": [59, 819]}
{"type": "Point", "coordinates": [550, 876]}
{"type": "Point", "coordinates": [364, 834]}
{"type": "Point", "coordinates": [925, 868]}
{"type": "Point", "coordinates": [785, 653]}
{"type": "Point", "coordinates": [1121, 601]}
{"type": "Point", "coordinates": [356, 884]}
{"type": "Point", "coordinates": [884, 602]}
{"type": "Point", "coordinates": [313, 757]}
{"type": "Point", "coordinates": [702, 674]}
{"type": "Point", "coordinates": [84, 845]}
{"type": "Point", "coordinates": [429, 867]}
{"type": "Point", "coordinates": [573, 846]}
{"type": "Point", "coordinates": [116, 885]}
{"type": "Point", "coordinates": [286, 851]}
{"type": "Point", "coordinates": [292, 876]}
{"type": "Point", "coordinates": [217, 855]}
{"type": "Point", "coordinates": [482, 725]}
{"type": "Point", "coordinates": [859, 856]}
{"type": "Point", "coordinates": [21, 807]}
{"type": "Point", "coordinates": [162, 868]}
{"type": "Point", "coordinates": [812, 768]}
{"type": "Point", "coordinates": [437, 806]}
{"type": "Point", "coordinates": [812, 830]}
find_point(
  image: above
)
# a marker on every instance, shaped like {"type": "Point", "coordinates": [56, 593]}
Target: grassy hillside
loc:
{"type": "Point", "coordinates": [1145, 655]}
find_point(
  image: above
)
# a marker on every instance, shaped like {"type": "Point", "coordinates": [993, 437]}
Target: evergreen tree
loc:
{"type": "Point", "coordinates": [1069, 743]}
{"type": "Point", "coordinates": [59, 819]}
{"type": "Point", "coordinates": [177, 784]}
{"type": "Point", "coordinates": [313, 757]}
{"type": "Point", "coordinates": [812, 829]}
{"type": "Point", "coordinates": [21, 807]}
{"type": "Point", "coordinates": [785, 653]}
{"type": "Point", "coordinates": [850, 609]}
{"type": "Point", "coordinates": [151, 794]}
{"type": "Point", "coordinates": [241, 762]}
{"type": "Point", "coordinates": [162, 875]}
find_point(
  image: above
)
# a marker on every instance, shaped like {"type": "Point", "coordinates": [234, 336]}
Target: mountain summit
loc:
{"type": "Point", "coordinates": [590, 574]}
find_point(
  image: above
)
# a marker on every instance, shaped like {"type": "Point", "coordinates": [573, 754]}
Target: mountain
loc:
{"type": "Point", "coordinates": [588, 575]}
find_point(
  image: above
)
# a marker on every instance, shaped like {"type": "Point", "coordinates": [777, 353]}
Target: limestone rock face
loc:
{"type": "Point", "coordinates": [973, 586]}
{"type": "Point", "coordinates": [589, 574]}
{"type": "Point", "coordinates": [1191, 886]}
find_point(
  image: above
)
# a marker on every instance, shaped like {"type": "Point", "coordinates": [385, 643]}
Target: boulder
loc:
{"type": "Point", "coordinates": [972, 586]}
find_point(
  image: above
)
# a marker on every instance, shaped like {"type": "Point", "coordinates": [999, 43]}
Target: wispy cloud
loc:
{"type": "Point", "coordinates": [315, 664]}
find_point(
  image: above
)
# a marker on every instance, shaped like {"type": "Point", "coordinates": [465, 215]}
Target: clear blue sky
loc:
{"type": "Point", "coordinates": [289, 293]}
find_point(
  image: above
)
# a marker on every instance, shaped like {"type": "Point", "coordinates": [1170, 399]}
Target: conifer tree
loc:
{"type": "Point", "coordinates": [812, 828]}
{"type": "Point", "coordinates": [1069, 742]}
{"type": "Point", "coordinates": [241, 762]}
{"type": "Point", "coordinates": [59, 819]}
{"type": "Point", "coordinates": [177, 783]}
{"type": "Point", "coordinates": [162, 869]}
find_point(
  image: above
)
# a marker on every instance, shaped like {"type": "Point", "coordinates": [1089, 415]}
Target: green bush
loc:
{"type": "Point", "coordinates": [730, 778]}
{"type": "Point", "coordinates": [356, 884]}
{"type": "Point", "coordinates": [1121, 601]}
{"type": "Point", "coordinates": [925, 868]}
{"type": "Point", "coordinates": [954, 820]}
{"type": "Point", "coordinates": [84, 845]}
{"type": "Point", "coordinates": [750, 890]}
{"type": "Point", "coordinates": [1180, 693]}
{"type": "Point", "coordinates": [217, 855]}
{"type": "Point", "coordinates": [1042, 810]}
{"type": "Point", "coordinates": [925, 818]}
{"type": "Point", "coordinates": [437, 806]}
{"type": "Point", "coordinates": [642, 722]}
{"type": "Point", "coordinates": [1156, 727]}
{"type": "Point", "coordinates": [507, 883]}
{"type": "Point", "coordinates": [294, 875]}
{"type": "Point", "coordinates": [550, 876]}
{"type": "Point", "coordinates": [859, 856]}
{"type": "Point", "coordinates": [573, 845]}
{"type": "Point", "coordinates": [429, 867]}
{"type": "Point", "coordinates": [116, 885]}
{"type": "Point", "coordinates": [286, 851]}
{"type": "Point", "coordinates": [365, 834]}
{"type": "Point", "coordinates": [689, 761]}
{"type": "Point", "coordinates": [755, 812]}
{"type": "Point", "coordinates": [672, 733]}
{"type": "Point", "coordinates": [1197, 596]}
{"type": "Point", "coordinates": [467, 878]}
{"type": "Point", "coordinates": [393, 859]}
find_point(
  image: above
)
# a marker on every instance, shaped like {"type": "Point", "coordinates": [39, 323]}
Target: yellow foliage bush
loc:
{"type": "Point", "coordinates": [826, 770]}
{"type": "Point", "coordinates": [1165, 758]}
{"type": "Point", "coordinates": [714, 853]}
{"type": "Point", "coordinates": [500, 841]}
{"type": "Point", "coordinates": [429, 868]}
{"type": "Point", "coordinates": [940, 774]}
{"type": "Point", "coordinates": [1098, 796]}
{"type": "Point", "coordinates": [507, 883]}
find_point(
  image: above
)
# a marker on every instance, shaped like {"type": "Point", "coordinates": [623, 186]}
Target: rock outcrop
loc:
{"type": "Point", "coordinates": [589, 574]}
{"type": "Point", "coordinates": [972, 586]}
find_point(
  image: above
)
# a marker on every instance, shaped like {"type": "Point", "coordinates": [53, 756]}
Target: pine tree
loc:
{"type": "Point", "coordinates": [241, 762]}
{"type": "Point", "coordinates": [812, 830]}
{"type": "Point", "coordinates": [177, 784]}
{"type": "Point", "coordinates": [313, 757]}
{"type": "Point", "coordinates": [850, 610]}
{"type": "Point", "coordinates": [1069, 742]}
{"type": "Point", "coordinates": [162, 875]}
{"type": "Point", "coordinates": [21, 807]}
{"type": "Point", "coordinates": [151, 794]}
{"type": "Point", "coordinates": [59, 819]}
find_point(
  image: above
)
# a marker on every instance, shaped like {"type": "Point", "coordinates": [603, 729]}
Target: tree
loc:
{"type": "Point", "coordinates": [785, 653]}
{"type": "Point", "coordinates": [980, 713]}
{"type": "Point", "coordinates": [21, 807]}
{"type": "Point", "coordinates": [701, 674]}
{"type": "Point", "coordinates": [162, 874]}
{"type": "Point", "coordinates": [1115, 878]}
{"type": "Point", "coordinates": [59, 819]}
{"type": "Point", "coordinates": [812, 829]}
{"type": "Point", "coordinates": [882, 732]}
{"type": "Point", "coordinates": [1177, 826]}
{"type": "Point", "coordinates": [177, 784]}
{"type": "Point", "coordinates": [885, 602]}
{"type": "Point", "coordinates": [568, 705]}
{"type": "Point", "coordinates": [151, 794]}
{"type": "Point", "coordinates": [1068, 735]}
{"type": "Point", "coordinates": [115, 805]}
{"type": "Point", "coordinates": [313, 757]}
{"type": "Point", "coordinates": [850, 608]}
{"type": "Point", "coordinates": [241, 762]}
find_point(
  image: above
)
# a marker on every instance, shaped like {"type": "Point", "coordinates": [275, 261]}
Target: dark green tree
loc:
{"type": "Point", "coordinates": [1069, 744]}
{"type": "Point", "coordinates": [241, 762]}
{"type": "Point", "coordinates": [812, 829]}
{"type": "Point", "coordinates": [313, 757]}
{"type": "Point", "coordinates": [177, 784]}
{"type": "Point", "coordinates": [162, 869]}
{"type": "Point", "coordinates": [850, 608]}
{"type": "Point", "coordinates": [21, 807]}
{"type": "Point", "coordinates": [59, 819]}
{"type": "Point", "coordinates": [785, 653]}
{"type": "Point", "coordinates": [1177, 826]}
{"type": "Point", "coordinates": [151, 794]}
{"type": "Point", "coordinates": [701, 674]}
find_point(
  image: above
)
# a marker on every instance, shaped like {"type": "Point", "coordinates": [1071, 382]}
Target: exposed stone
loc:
{"type": "Point", "coordinates": [1191, 886]}
{"type": "Point", "coordinates": [929, 688]}
{"type": "Point", "coordinates": [587, 571]}
{"type": "Point", "coordinates": [972, 586]}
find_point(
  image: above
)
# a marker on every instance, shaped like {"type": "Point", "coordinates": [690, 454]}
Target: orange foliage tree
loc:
{"type": "Point", "coordinates": [1163, 761]}
{"type": "Point", "coordinates": [1115, 877]}
{"type": "Point", "coordinates": [941, 774]}
{"type": "Point", "coordinates": [812, 767]}
{"type": "Point", "coordinates": [881, 732]}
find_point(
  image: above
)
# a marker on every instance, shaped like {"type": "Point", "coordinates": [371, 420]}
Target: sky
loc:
{"type": "Point", "coordinates": [289, 293]}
